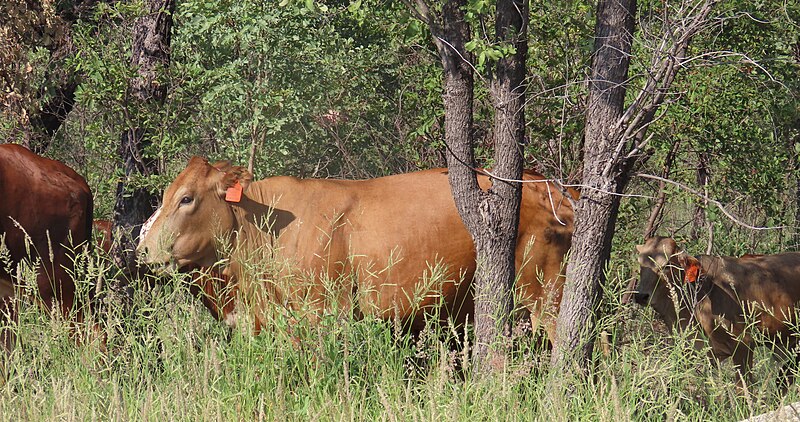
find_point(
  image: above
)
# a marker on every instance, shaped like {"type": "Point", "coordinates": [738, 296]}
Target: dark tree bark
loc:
{"type": "Point", "coordinates": [494, 220]}
{"type": "Point", "coordinates": [491, 216]}
{"type": "Point", "coordinates": [614, 145]}
{"type": "Point", "coordinates": [596, 210]}
{"type": "Point", "coordinates": [54, 34]}
{"type": "Point", "coordinates": [48, 121]}
{"type": "Point", "coordinates": [150, 56]}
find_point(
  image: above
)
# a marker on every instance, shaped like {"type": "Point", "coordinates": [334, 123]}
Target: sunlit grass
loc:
{"type": "Point", "coordinates": [167, 359]}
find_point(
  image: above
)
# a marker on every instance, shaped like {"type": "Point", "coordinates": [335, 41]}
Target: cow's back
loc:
{"type": "Point", "coordinates": [45, 204]}
{"type": "Point", "coordinates": [773, 281]}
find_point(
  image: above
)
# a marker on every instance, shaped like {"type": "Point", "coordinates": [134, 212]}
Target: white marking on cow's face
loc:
{"type": "Point", "coordinates": [192, 217]}
{"type": "Point", "coordinates": [148, 225]}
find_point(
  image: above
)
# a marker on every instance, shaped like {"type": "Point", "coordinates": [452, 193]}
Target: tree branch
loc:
{"type": "Point", "coordinates": [718, 204]}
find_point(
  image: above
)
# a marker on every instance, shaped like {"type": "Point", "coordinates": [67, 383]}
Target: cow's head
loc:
{"type": "Point", "coordinates": [664, 271]}
{"type": "Point", "coordinates": [193, 217]}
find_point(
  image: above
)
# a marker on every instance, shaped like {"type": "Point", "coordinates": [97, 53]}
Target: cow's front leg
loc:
{"type": "Point", "coordinates": [742, 362]}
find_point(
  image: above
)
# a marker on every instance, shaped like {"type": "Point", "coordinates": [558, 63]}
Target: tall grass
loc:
{"type": "Point", "coordinates": [167, 359]}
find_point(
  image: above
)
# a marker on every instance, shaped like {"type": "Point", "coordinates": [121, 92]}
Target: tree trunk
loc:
{"type": "Point", "coordinates": [490, 216]}
{"type": "Point", "coordinates": [150, 55]}
{"type": "Point", "coordinates": [596, 210]}
{"type": "Point", "coordinates": [54, 33]}
{"type": "Point", "coordinates": [496, 235]}
{"type": "Point", "coordinates": [48, 121]}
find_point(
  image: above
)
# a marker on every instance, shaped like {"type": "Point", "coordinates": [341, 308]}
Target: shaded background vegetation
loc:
{"type": "Point", "coordinates": [352, 90]}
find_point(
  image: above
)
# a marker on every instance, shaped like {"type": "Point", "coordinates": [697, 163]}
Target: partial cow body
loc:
{"type": "Point", "coordinates": [210, 286]}
{"type": "Point", "coordinates": [45, 214]}
{"type": "Point", "coordinates": [723, 295]}
{"type": "Point", "coordinates": [392, 247]}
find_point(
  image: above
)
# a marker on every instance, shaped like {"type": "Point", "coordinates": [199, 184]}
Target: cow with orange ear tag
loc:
{"type": "Point", "coordinates": [393, 247]}
{"type": "Point", "coordinates": [725, 297]}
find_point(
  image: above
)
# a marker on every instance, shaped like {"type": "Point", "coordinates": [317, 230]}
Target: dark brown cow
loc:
{"type": "Point", "coordinates": [388, 247]}
{"type": "Point", "coordinates": [723, 295]}
{"type": "Point", "coordinates": [45, 211]}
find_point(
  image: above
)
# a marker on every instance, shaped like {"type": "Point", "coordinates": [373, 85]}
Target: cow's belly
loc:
{"type": "Point", "coordinates": [407, 285]}
{"type": "Point", "coordinates": [411, 291]}
{"type": "Point", "coordinates": [6, 288]}
{"type": "Point", "coordinates": [403, 278]}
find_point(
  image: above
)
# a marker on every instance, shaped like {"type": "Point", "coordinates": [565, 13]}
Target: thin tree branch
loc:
{"type": "Point", "coordinates": [718, 204]}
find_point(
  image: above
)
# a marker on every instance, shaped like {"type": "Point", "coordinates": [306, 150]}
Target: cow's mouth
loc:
{"type": "Point", "coordinates": [163, 268]}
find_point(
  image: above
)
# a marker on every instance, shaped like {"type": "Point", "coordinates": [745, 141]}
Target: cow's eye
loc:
{"type": "Point", "coordinates": [186, 200]}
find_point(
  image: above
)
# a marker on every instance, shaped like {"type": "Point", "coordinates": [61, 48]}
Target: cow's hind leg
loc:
{"type": "Point", "coordinates": [8, 316]}
{"type": "Point", "coordinates": [8, 326]}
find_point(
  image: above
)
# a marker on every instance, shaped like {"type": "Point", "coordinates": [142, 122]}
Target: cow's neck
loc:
{"type": "Point", "coordinates": [718, 275]}
{"type": "Point", "coordinates": [254, 257]}
{"type": "Point", "coordinates": [693, 294]}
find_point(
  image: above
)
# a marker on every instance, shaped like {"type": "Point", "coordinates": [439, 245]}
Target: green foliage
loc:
{"type": "Point", "coordinates": [314, 84]}
{"type": "Point", "coordinates": [559, 51]}
{"type": "Point", "coordinates": [353, 89]}
{"type": "Point", "coordinates": [737, 103]}
{"type": "Point", "coordinates": [322, 89]}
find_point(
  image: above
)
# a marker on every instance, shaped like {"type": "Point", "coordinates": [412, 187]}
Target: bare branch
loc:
{"type": "Point", "coordinates": [668, 59]}
{"type": "Point", "coordinates": [710, 200]}
{"type": "Point", "coordinates": [421, 10]}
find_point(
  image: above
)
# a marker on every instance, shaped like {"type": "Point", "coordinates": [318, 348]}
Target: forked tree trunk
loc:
{"type": "Point", "coordinates": [150, 56]}
{"type": "Point", "coordinates": [490, 216]}
{"type": "Point", "coordinates": [596, 210]}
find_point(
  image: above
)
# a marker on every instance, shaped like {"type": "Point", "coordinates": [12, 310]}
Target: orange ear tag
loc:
{"type": "Point", "coordinates": [692, 273]}
{"type": "Point", "coordinates": [234, 193]}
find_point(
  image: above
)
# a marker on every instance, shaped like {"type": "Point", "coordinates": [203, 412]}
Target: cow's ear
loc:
{"type": "Point", "coordinates": [691, 268]}
{"type": "Point", "coordinates": [197, 161]}
{"type": "Point", "coordinates": [222, 166]}
{"type": "Point", "coordinates": [235, 180]}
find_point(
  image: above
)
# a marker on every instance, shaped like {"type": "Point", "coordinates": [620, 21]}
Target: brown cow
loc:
{"type": "Point", "coordinates": [207, 284]}
{"type": "Point", "coordinates": [386, 247]}
{"type": "Point", "coordinates": [723, 295]}
{"type": "Point", "coordinates": [102, 233]}
{"type": "Point", "coordinates": [45, 214]}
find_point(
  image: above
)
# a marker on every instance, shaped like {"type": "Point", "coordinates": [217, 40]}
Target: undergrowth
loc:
{"type": "Point", "coordinates": [167, 359]}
